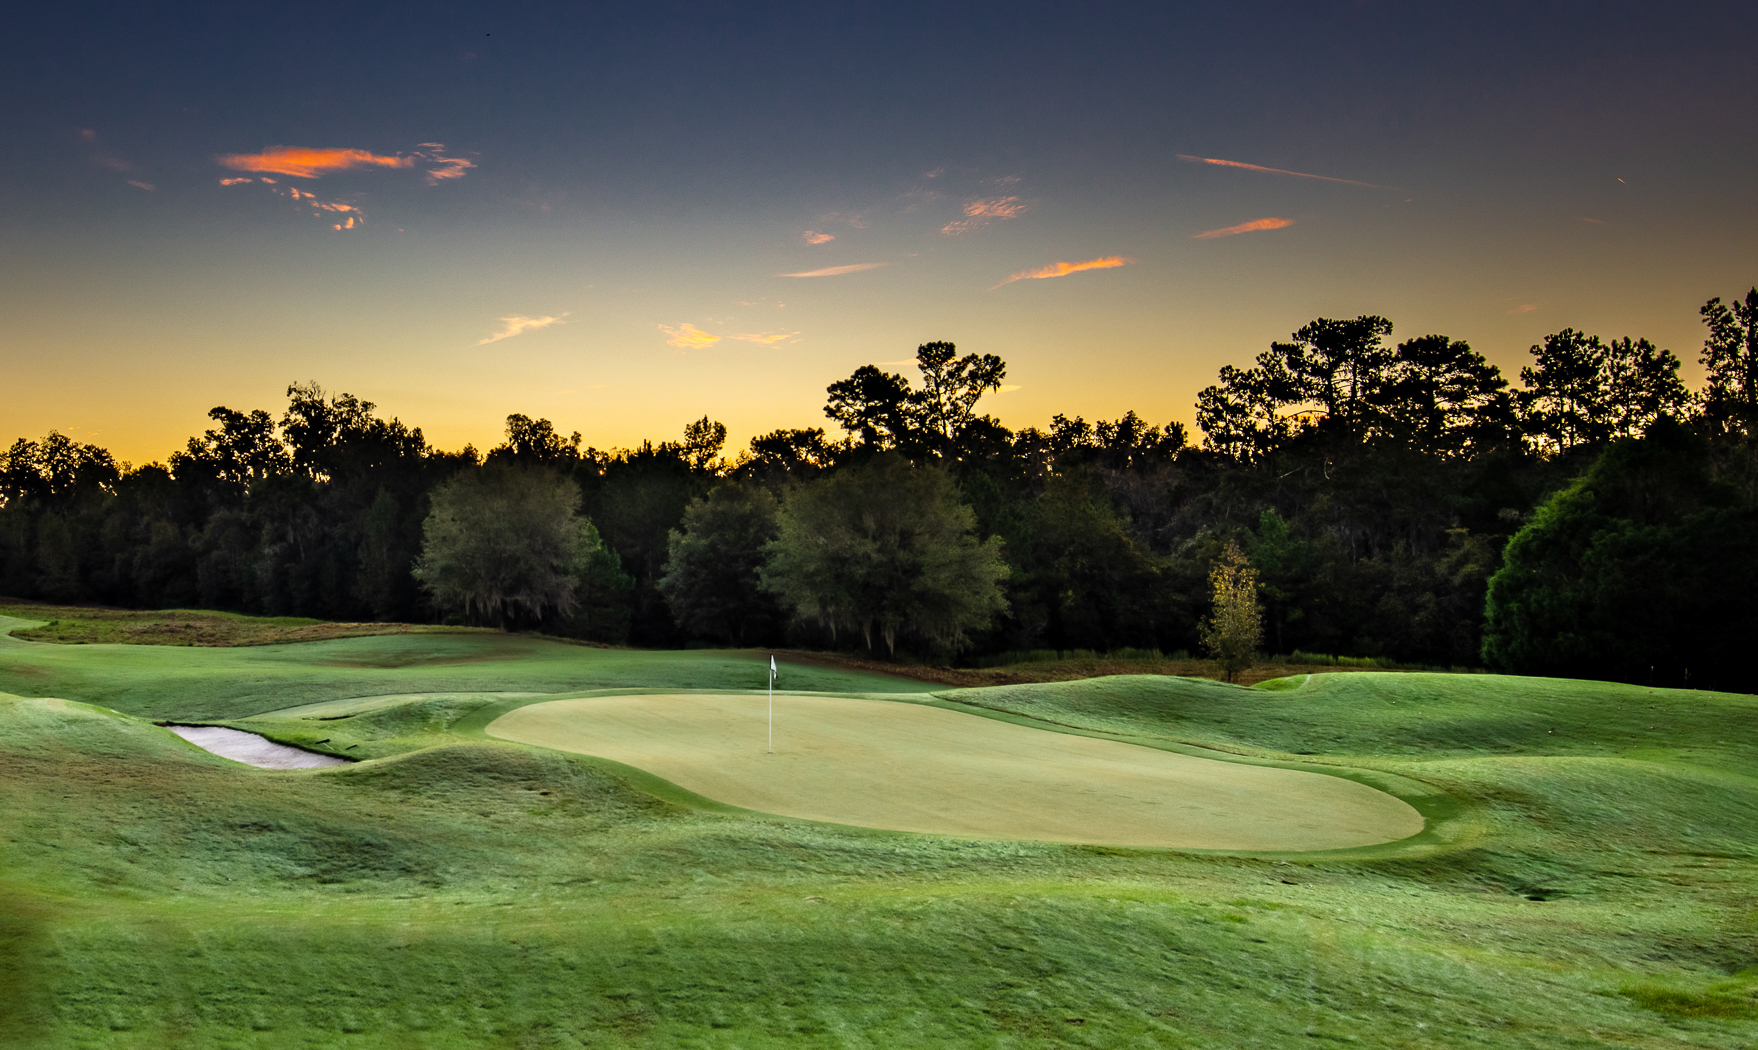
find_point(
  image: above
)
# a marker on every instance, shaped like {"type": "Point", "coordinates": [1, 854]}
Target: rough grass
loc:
{"type": "Point", "coordinates": [99, 625]}
{"type": "Point", "coordinates": [1594, 886]}
{"type": "Point", "coordinates": [1074, 669]}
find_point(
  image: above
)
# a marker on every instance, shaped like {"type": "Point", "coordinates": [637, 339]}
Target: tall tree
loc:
{"type": "Point", "coordinates": [951, 388]}
{"type": "Point", "coordinates": [1642, 570]}
{"type": "Point", "coordinates": [887, 549]}
{"type": "Point", "coordinates": [711, 579]}
{"type": "Point", "coordinates": [1330, 377]}
{"type": "Point", "coordinates": [1582, 391]}
{"type": "Point", "coordinates": [506, 545]}
{"type": "Point", "coordinates": [874, 406]}
{"type": "Point", "coordinates": [241, 451]}
{"type": "Point", "coordinates": [535, 443]}
{"type": "Point", "coordinates": [882, 410]}
{"type": "Point", "coordinates": [1441, 398]}
{"type": "Point", "coordinates": [1730, 355]}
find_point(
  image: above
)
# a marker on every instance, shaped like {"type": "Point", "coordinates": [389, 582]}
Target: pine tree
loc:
{"type": "Point", "coordinates": [1235, 628]}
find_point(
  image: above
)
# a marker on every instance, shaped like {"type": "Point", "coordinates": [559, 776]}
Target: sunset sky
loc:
{"type": "Point", "coordinates": [625, 219]}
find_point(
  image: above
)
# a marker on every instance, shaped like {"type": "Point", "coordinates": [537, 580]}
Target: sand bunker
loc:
{"type": "Point", "coordinates": [912, 768]}
{"type": "Point", "coordinates": [252, 749]}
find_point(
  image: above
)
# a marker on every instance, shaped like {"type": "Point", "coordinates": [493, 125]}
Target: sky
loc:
{"type": "Point", "coordinates": [623, 218]}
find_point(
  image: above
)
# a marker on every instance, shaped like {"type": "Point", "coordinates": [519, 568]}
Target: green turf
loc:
{"type": "Point", "coordinates": [1592, 883]}
{"type": "Point", "coordinates": [167, 682]}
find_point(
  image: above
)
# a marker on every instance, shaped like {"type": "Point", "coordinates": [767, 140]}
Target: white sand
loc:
{"type": "Point", "coordinates": [914, 768]}
{"type": "Point", "coordinates": [252, 749]}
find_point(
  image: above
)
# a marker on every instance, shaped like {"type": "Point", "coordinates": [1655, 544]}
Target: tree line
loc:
{"type": "Point", "coordinates": [1373, 488]}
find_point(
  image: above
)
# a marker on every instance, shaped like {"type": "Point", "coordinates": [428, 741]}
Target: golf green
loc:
{"type": "Point", "coordinates": [909, 767]}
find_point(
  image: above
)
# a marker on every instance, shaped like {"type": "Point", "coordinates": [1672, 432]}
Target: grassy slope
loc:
{"type": "Point", "coordinates": [206, 684]}
{"type": "Point", "coordinates": [463, 892]}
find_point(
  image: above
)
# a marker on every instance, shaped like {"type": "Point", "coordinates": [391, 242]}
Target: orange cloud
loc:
{"type": "Point", "coordinates": [1278, 171]}
{"type": "Point", "coordinates": [832, 271]}
{"type": "Point", "coordinates": [767, 338]}
{"type": "Point", "coordinates": [689, 337]}
{"type": "Point", "coordinates": [306, 163]}
{"type": "Point", "coordinates": [1524, 308]}
{"type": "Point", "coordinates": [1244, 227]}
{"type": "Point", "coordinates": [237, 181]}
{"type": "Point", "coordinates": [978, 214]}
{"type": "Point", "coordinates": [511, 326]}
{"type": "Point", "coordinates": [814, 237]}
{"type": "Point", "coordinates": [349, 225]}
{"type": "Point", "coordinates": [1063, 269]}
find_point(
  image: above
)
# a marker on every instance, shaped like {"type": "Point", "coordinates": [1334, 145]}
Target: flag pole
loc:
{"type": "Point", "coordinates": [772, 703]}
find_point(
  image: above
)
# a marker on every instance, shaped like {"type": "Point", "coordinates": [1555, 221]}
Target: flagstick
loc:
{"type": "Point", "coordinates": [772, 705]}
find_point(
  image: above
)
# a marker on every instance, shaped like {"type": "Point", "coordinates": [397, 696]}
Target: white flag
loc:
{"type": "Point", "coordinates": [772, 666]}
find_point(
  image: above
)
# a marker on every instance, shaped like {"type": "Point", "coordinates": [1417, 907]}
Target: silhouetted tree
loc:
{"type": "Point", "coordinates": [1441, 398]}
{"type": "Point", "coordinates": [1730, 355]}
{"type": "Point", "coordinates": [1330, 377]}
{"type": "Point", "coordinates": [873, 406]}
{"type": "Point", "coordinates": [535, 443]}
{"type": "Point", "coordinates": [1581, 391]}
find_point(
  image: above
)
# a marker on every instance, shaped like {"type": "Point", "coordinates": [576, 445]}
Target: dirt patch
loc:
{"type": "Point", "coordinates": [909, 767]}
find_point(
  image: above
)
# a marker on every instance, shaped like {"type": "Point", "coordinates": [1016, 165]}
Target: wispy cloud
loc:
{"type": "Point", "coordinates": [814, 237]}
{"type": "Point", "coordinates": [1524, 308]}
{"type": "Point", "coordinates": [832, 271]}
{"type": "Point", "coordinates": [1063, 269]}
{"type": "Point", "coordinates": [979, 213]}
{"type": "Point", "coordinates": [446, 168]}
{"type": "Point", "coordinates": [1007, 388]}
{"type": "Point", "coordinates": [1254, 225]}
{"type": "Point", "coordinates": [142, 185]}
{"type": "Point", "coordinates": [767, 338]}
{"type": "Point", "coordinates": [306, 163]}
{"type": "Point", "coordinates": [1278, 171]}
{"type": "Point", "coordinates": [689, 337]}
{"type": "Point", "coordinates": [511, 326]}
{"type": "Point", "coordinates": [239, 181]}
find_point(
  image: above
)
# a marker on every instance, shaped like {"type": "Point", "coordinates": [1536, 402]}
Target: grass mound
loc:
{"type": "Point", "coordinates": [460, 892]}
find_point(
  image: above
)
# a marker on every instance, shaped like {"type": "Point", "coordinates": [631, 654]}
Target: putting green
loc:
{"type": "Point", "coordinates": [908, 767]}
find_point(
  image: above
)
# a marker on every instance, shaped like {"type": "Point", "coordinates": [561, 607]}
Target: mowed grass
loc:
{"type": "Point", "coordinates": [1587, 880]}
{"type": "Point", "coordinates": [207, 684]}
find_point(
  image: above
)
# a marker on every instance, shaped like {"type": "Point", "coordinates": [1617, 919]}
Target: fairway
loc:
{"type": "Point", "coordinates": [908, 767]}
